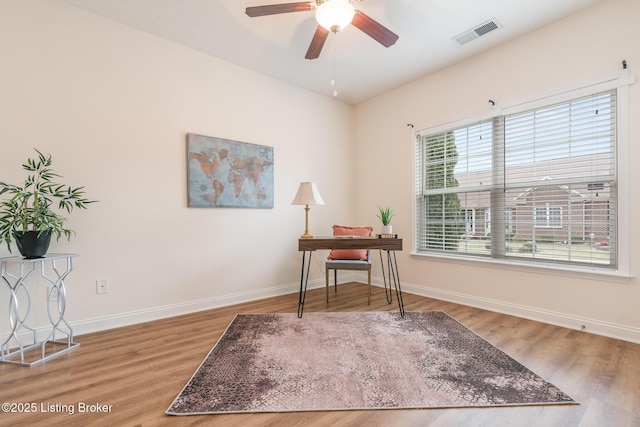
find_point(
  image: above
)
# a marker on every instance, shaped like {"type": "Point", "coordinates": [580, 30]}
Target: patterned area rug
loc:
{"type": "Point", "coordinates": [349, 361]}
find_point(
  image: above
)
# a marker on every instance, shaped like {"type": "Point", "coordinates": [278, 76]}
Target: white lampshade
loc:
{"type": "Point", "coordinates": [308, 195]}
{"type": "Point", "coordinates": [334, 15]}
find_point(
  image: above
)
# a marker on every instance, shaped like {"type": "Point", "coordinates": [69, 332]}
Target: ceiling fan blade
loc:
{"type": "Point", "coordinates": [274, 9]}
{"type": "Point", "coordinates": [374, 29]}
{"type": "Point", "coordinates": [317, 43]}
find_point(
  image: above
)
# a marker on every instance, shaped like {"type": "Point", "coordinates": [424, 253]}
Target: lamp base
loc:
{"type": "Point", "coordinates": [306, 234]}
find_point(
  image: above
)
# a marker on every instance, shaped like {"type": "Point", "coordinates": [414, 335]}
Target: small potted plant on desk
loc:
{"type": "Point", "coordinates": [385, 216]}
{"type": "Point", "coordinates": [27, 214]}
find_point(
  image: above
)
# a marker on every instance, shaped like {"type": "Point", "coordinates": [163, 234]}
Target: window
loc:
{"type": "Point", "coordinates": [543, 181]}
{"type": "Point", "coordinates": [469, 221]}
{"type": "Point", "coordinates": [548, 216]}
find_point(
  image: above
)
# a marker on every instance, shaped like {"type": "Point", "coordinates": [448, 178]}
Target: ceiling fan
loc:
{"type": "Point", "coordinates": [332, 15]}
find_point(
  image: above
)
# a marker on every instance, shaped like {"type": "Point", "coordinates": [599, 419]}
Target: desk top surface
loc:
{"type": "Point", "coordinates": [349, 242]}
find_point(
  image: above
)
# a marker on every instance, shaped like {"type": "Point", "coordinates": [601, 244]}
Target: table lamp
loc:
{"type": "Point", "coordinates": [307, 195]}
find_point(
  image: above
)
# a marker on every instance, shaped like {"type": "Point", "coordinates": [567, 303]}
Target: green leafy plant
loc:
{"type": "Point", "coordinates": [385, 215]}
{"type": "Point", "coordinates": [29, 207]}
{"type": "Point", "coordinates": [528, 247]}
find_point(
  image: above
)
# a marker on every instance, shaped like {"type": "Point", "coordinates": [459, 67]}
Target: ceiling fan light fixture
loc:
{"type": "Point", "coordinates": [335, 15]}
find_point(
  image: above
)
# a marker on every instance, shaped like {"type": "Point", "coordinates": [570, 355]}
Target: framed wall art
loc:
{"type": "Point", "coordinates": [228, 174]}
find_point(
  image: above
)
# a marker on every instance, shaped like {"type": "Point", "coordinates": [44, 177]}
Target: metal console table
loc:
{"type": "Point", "coordinates": [22, 346]}
{"type": "Point", "coordinates": [389, 245]}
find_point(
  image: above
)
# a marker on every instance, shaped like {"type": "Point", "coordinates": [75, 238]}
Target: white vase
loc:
{"type": "Point", "coordinates": [387, 229]}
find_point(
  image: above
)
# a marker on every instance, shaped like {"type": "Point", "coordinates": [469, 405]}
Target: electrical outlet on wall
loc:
{"type": "Point", "coordinates": [102, 286]}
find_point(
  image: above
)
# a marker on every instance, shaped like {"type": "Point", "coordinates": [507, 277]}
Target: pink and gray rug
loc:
{"type": "Point", "coordinates": [349, 361]}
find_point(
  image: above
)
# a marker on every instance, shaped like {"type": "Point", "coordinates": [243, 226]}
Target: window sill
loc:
{"type": "Point", "coordinates": [588, 273]}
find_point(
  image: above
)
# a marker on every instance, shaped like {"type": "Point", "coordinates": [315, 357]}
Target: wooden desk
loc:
{"type": "Point", "coordinates": [388, 245]}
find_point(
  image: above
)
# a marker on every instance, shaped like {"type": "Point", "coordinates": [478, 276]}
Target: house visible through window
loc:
{"type": "Point", "coordinates": [536, 185]}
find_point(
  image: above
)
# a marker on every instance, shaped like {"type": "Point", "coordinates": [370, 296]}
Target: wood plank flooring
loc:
{"type": "Point", "coordinates": [138, 370]}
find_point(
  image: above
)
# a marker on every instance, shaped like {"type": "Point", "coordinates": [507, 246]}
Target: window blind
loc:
{"type": "Point", "coordinates": [559, 181]}
{"type": "Point", "coordinates": [538, 185]}
{"type": "Point", "coordinates": [455, 177]}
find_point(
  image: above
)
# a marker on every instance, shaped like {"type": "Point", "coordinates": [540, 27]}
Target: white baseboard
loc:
{"type": "Point", "coordinates": [139, 316]}
{"type": "Point", "coordinates": [103, 323]}
{"type": "Point", "coordinates": [585, 324]}
{"type": "Point", "coordinates": [554, 318]}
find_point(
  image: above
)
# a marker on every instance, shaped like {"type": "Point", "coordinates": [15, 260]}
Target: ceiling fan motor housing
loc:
{"type": "Point", "coordinates": [334, 15]}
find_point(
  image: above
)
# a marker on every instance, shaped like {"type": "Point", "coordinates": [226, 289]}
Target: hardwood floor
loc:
{"type": "Point", "coordinates": [138, 370]}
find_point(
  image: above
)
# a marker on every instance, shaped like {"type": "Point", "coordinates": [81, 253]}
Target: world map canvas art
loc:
{"type": "Point", "coordinates": [228, 174]}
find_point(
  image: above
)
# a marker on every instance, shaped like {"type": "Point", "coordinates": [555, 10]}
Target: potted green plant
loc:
{"type": "Point", "coordinates": [28, 216]}
{"type": "Point", "coordinates": [385, 216]}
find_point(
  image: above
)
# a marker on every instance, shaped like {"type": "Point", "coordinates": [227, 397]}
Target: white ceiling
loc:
{"type": "Point", "coordinates": [276, 45]}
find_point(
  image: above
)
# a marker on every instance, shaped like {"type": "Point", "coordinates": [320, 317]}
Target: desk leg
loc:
{"type": "Point", "coordinates": [387, 291]}
{"type": "Point", "coordinates": [393, 275]}
{"type": "Point", "coordinates": [304, 280]}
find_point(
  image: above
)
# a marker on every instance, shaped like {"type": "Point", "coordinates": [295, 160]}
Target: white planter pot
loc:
{"type": "Point", "coordinates": [387, 229]}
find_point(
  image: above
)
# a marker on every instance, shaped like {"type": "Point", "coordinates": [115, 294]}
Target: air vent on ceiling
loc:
{"type": "Point", "coordinates": [478, 31]}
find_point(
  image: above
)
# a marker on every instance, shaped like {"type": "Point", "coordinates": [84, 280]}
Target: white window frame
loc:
{"type": "Point", "coordinates": [487, 221]}
{"type": "Point", "coordinates": [620, 81]}
{"type": "Point", "coordinates": [469, 221]}
{"type": "Point", "coordinates": [548, 219]}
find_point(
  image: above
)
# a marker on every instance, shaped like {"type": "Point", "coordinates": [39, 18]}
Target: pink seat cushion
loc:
{"type": "Point", "coordinates": [359, 254]}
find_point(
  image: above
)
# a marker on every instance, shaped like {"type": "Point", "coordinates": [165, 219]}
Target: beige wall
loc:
{"type": "Point", "coordinates": [581, 48]}
{"type": "Point", "coordinates": [113, 106]}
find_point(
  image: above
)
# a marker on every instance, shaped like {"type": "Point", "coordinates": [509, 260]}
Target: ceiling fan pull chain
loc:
{"type": "Point", "coordinates": [333, 80]}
